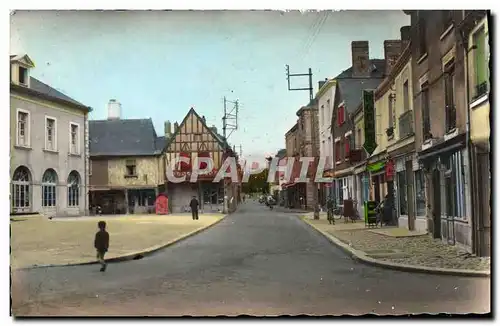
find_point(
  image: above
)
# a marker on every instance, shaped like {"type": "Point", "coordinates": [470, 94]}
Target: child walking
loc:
{"type": "Point", "coordinates": [101, 243]}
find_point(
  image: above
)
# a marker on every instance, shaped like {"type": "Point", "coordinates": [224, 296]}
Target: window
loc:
{"type": "Point", "coordinates": [391, 113]}
{"type": "Point", "coordinates": [49, 183]}
{"type": "Point", "coordinates": [347, 147]}
{"type": "Point", "coordinates": [406, 96]}
{"type": "Point", "coordinates": [447, 18]}
{"type": "Point", "coordinates": [74, 138]}
{"type": "Point", "coordinates": [360, 140]}
{"type": "Point", "coordinates": [131, 168]}
{"type": "Point", "coordinates": [420, 192]}
{"type": "Point", "coordinates": [73, 189]}
{"type": "Point", "coordinates": [23, 76]}
{"type": "Point", "coordinates": [21, 182]}
{"type": "Point", "coordinates": [480, 62]}
{"type": "Point", "coordinates": [425, 111]}
{"type": "Point", "coordinates": [341, 118]}
{"type": "Point", "coordinates": [50, 134]}
{"type": "Point", "coordinates": [449, 89]}
{"type": "Point", "coordinates": [337, 151]}
{"type": "Point", "coordinates": [422, 37]}
{"type": "Point", "coordinates": [23, 125]}
{"type": "Point", "coordinates": [322, 114]}
{"type": "Point", "coordinates": [403, 204]}
{"type": "Point", "coordinates": [455, 186]}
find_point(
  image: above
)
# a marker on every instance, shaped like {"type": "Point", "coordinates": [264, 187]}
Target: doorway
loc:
{"type": "Point", "coordinates": [436, 204]}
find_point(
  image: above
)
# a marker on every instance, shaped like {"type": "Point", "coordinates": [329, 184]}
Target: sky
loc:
{"type": "Point", "coordinates": [158, 64]}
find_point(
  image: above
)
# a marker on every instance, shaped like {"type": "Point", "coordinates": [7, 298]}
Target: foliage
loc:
{"type": "Point", "coordinates": [257, 183]}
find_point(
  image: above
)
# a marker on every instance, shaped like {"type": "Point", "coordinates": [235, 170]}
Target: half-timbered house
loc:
{"type": "Point", "coordinates": [192, 139]}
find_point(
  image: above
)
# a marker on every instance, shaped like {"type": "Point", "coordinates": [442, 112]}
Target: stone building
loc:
{"type": "Point", "coordinates": [475, 34]}
{"type": "Point", "coordinates": [126, 164]}
{"type": "Point", "coordinates": [48, 152]}
{"type": "Point", "coordinates": [441, 121]}
{"type": "Point", "coordinates": [308, 143]}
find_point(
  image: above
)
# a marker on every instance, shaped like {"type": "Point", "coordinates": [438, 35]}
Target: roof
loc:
{"type": "Point", "coordinates": [124, 137]}
{"type": "Point", "coordinates": [351, 90]}
{"type": "Point", "coordinates": [281, 153]}
{"type": "Point", "coordinates": [38, 88]}
{"type": "Point", "coordinates": [377, 72]}
{"type": "Point", "coordinates": [223, 142]}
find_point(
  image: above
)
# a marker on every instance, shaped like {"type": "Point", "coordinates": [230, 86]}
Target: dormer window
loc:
{"type": "Point", "coordinates": [23, 75]}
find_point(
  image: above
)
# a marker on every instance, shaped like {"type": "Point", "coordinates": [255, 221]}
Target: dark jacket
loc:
{"type": "Point", "coordinates": [101, 242]}
{"type": "Point", "coordinates": [194, 204]}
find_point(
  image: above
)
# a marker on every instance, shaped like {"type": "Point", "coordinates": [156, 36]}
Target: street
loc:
{"type": "Point", "coordinates": [255, 262]}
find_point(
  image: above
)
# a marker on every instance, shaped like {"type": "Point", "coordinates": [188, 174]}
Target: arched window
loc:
{"type": "Point", "coordinates": [49, 182]}
{"type": "Point", "coordinates": [21, 182]}
{"type": "Point", "coordinates": [73, 189]}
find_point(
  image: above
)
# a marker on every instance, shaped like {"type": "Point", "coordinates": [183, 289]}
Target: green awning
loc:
{"type": "Point", "coordinates": [376, 166]}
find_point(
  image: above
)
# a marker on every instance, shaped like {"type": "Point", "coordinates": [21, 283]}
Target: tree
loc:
{"type": "Point", "coordinates": [257, 183]}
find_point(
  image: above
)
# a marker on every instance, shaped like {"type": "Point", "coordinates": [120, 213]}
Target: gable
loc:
{"type": "Point", "coordinates": [193, 135]}
{"type": "Point", "coordinates": [23, 60]}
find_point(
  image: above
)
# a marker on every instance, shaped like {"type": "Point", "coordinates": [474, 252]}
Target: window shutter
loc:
{"type": "Point", "coordinates": [347, 146]}
{"type": "Point", "coordinates": [339, 117]}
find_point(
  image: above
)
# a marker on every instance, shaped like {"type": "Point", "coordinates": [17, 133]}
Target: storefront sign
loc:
{"type": "Point", "coordinates": [389, 170]}
{"type": "Point", "coordinates": [369, 121]}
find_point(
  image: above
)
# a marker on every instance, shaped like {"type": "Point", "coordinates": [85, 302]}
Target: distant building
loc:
{"type": "Point", "coordinates": [48, 152]}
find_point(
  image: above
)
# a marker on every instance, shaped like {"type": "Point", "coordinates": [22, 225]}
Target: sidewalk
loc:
{"type": "Point", "coordinates": [395, 247]}
{"type": "Point", "coordinates": [40, 241]}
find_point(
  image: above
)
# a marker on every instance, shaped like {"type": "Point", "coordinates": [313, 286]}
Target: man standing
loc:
{"type": "Point", "coordinates": [194, 207]}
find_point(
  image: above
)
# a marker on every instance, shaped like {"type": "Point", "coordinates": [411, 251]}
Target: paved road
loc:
{"type": "Point", "coordinates": [255, 262]}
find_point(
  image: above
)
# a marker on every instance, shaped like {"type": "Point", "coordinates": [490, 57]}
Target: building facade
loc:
{"type": "Point", "coordinates": [192, 139]}
{"type": "Point", "coordinates": [292, 191]}
{"type": "Point", "coordinates": [48, 152]}
{"type": "Point", "coordinates": [441, 121]}
{"type": "Point", "coordinates": [365, 73]}
{"type": "Point", "coordinates": [126, 164]}
{"type": "Point", "coordinates": [474, 33]}
{"type": "Point", "coordinates": [308, 142]}
{"type": "Point", "coordinates": [326, 97]}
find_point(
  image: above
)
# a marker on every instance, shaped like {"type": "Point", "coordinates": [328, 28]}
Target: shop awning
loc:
{"type": "Point", "coordinates": [375, 167]}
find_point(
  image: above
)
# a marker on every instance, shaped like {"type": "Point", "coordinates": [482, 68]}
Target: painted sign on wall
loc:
{"type": "Point", "coordinates": [369, 121]}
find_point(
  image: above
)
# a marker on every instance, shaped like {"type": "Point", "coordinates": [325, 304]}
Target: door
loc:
{"type": "Point", "coordinates": [410, 195]}
{"type": "Point", "coordinates": [436, 204]}
{"type": "Point", "coordinates": [484, 209]}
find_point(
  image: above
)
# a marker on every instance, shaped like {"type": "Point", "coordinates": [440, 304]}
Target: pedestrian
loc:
{"type": "Point", "coordinates": [329, 214]}
{"type": "Point", "coordinates": [101, 243]}
{"type": "Point", "coordinates": [194, 207]}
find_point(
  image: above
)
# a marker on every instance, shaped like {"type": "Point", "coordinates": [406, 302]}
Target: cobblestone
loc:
{"type": "Point", "coordinates": [415, 250]}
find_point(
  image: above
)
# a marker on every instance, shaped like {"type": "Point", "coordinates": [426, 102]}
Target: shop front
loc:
{"type": "Point", "coordinates": [446, 169]}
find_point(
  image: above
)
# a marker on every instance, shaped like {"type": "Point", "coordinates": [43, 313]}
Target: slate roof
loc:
{"type": "Point", "coordinates": [43, 88]}
{"type": "Point", "coordinates": [124, 137]}
{"type": "Point", "coordinates": [350, 88]}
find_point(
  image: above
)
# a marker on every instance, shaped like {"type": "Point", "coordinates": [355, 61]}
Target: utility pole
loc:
{"type": "Point", "coordinates": [229, 122]}
{"type": "Point", "coordinates": [309, 74]}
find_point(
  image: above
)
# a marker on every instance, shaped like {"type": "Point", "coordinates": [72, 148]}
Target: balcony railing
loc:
{"type": "Point", "coordinates": [406, 124]}
{"type": "Point", "coordinates": [451, 117]}
{"type": "Point", "coordinates": [481, 89]}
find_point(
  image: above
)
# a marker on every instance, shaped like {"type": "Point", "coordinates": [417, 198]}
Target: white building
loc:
{"type": "Point", "coordinates": [326, 98]}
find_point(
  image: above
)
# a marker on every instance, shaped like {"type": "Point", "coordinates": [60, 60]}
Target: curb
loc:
{"type": "Point", "coordinates": [362, 257]}
{"type": "Point", "coordinates": [133, 255]}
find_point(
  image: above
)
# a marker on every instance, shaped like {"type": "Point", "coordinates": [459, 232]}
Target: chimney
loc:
{"type": "Point", "coordinates": [204, 120]}
{"type": "Point", "coordinates": [405, 35]}
{"type": "Point", "coordinates": [361, 65]}
{"type": "Point", "coordinates": [321, 83]}
{"type": "Point", "coordinates": [176, 126]}
{"type": "Point", "coordinates": [392, 51]}
{"type": "Point", "coordinates": [214, 129]}
{"type": "Point", "coordinates": [168, 129]}
{"type": "Point", "coordinates": [114, 110]}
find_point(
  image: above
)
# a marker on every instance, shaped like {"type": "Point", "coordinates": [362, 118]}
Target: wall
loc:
{"type": "Point", "coordinates": [146, 169]}
{"type": "Point", "coordinates": [38, 160]}
{"type": "Point", "coordinates": [325, 110]}
{"type": "Point", "coordinates": [382, 121]}
{"type": "Point", "coordinates": [430, 67]}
